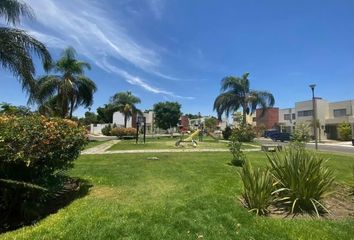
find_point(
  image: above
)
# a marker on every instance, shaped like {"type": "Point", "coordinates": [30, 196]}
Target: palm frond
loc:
{"type": "Point", "coordinates": [12, 10]}
{"type": "Point", "coordinates": [16, 49]}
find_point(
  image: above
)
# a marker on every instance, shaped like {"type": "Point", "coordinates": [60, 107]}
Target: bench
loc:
{"type": "Point", "coordinates": [271, 147]}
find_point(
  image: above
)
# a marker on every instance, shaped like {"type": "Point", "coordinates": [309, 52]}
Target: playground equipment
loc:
{"type": "Point", "coordinates": [189, 139]}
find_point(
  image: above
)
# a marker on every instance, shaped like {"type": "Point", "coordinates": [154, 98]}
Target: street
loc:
{"type": "Point", "coordinates": [321, 146]}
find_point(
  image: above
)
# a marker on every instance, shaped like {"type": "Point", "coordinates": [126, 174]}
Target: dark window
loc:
{"type": "Point", "coordinates": [254, 119]}
{"type": "Point", "coordinates": [293, 116]}
{"type": "Point", "coordinates": [305, 113]}
{"type": "Point", "coordinates": [339, 112]}
{"type": "Point", "coordinates": [287, 116]}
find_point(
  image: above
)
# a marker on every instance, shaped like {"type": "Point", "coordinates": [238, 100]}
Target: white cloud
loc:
{"type": "Point", "coordinates": [88, 28]}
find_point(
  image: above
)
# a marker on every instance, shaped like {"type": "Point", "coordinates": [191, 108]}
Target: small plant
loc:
{"type": "Point", "coordinates": [227, 133]}
{"type": "Point", "coordinates": [301, 133]}
{"type": "Point", "coordinates": [345, 131]}
{"type": "Point", "coordinates": [244, 133]}
{"type": "Point", "coordinates": [107, 130]}
{"type": "Point", "coordinates": [302, 179]}
{"type": "Point", "coordinates": [258, 187]}
{"type": "Point", "coordinates": [235, 148]}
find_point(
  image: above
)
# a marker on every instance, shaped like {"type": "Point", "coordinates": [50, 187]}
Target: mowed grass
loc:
{"type": "Point", "coordinates": [92, 144]}
{"type": "Point", "coordinates": [179, 196]}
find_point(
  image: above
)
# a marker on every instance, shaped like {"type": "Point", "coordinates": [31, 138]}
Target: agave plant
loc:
{"type": "Point", "coordinates": [302, 179]}
{"type": "Point", "coordinates": [258, 187]}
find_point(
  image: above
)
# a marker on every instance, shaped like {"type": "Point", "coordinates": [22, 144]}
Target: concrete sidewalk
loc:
{"type": "Point", "coordinates": [102, 149]}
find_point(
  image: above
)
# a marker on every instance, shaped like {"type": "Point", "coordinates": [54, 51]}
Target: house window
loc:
{"type": "Point", "coordinates": [339, 112]}
{"type": "Point", "coordinates": [287, 117]}
{"type": "Point", "coordinates": [305, 113]}
{"type": "Point", "coordinates": [293, 116]}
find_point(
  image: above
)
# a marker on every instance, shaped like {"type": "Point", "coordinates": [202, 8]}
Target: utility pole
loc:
{"type": "Point", "coordinates": [314, 114]}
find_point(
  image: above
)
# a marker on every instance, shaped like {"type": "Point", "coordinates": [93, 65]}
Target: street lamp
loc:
{"type": "Point", "coordinates": [314, 114]}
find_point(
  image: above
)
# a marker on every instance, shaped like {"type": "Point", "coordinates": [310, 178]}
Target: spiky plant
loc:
{"type": "Point", "coordinates": [258, 187]}
{"type": "Point", "coordinates": [302, 179]}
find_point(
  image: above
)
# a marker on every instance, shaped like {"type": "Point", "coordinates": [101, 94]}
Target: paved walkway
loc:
{"type": "Point", "coordinates": [101, 149]}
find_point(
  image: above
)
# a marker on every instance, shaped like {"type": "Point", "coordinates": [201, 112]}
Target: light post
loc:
{"type": "Point", "coordinates": [314, 114]}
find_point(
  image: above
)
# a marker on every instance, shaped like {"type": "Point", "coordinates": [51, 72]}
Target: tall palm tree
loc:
{"type": "Point", "coordinates": [236, 93]}
{"type": "Point", "coordinates": [61, 94]}
{"type": "Point", "coordinates": [125, 103]}
{"type": "Point", "coordinates": [17, 47]}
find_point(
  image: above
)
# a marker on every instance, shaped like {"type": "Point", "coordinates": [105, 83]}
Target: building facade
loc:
{"type": "Point", "coordinates": [329, 116]}
{"type": "Point", "coordinates": [269, 119]}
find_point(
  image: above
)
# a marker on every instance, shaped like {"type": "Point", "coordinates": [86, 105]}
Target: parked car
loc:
{"type": "Point", "coordinates": [278, 136]}
{"type": "Point", "coordinates": [269, 133]}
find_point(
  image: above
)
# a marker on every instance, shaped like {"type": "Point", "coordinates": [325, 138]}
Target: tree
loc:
{"type": "Point", "coordinates": [192, 116]}
{"type": "Point", "coordinates": [211, 123]}
{"type": "Point", "coordinates": [90, 118]}
{"type": "Point", "coordinates": [236, 93]}
{"type": "Point", "coordinates": [17, 47]}
{"type": "Point", "coordinates": [125, 103]}
{"type": "Point", "coordinates": [302, 132]}
{"type": "Point", "coordinates": [105, 113]}
{"type": "Point", "coordinates": [68, 90]}
{"type": "Point", "coordinates": [167, 114]}
{"type": "Point", "coordinates": [345, 131]}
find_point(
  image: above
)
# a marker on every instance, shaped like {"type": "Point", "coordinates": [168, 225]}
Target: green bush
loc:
{"type": "Point", "coordinates": [302, 179]}
{"type": "Point", "coordinates": [302, 133]}
{"type": "Point", "coordinates": [107, 130]}
{"type": "Point", "coordinates": [258, 187]}
{"type": "Point", "coordinates": [123, 132]}
{"type": "Point", "coordinates": [235, 148]}
{"type": "Point", "coordinates": [227, 133]}
{"type": "Point", "coordinates": [244, 133]}
{"type": "Point", "coordinates": [345, 131]}
{"type": "Point", "coordinates": [32, 149]}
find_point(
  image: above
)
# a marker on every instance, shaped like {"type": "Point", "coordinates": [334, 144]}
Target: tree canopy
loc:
{"type": "Point", "coordinates": [167, 114]}
{"type": "Point", "coordinates": [236, 93]}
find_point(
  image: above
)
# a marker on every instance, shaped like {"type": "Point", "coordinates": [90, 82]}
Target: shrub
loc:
{"type": "Point", "coordinates": [227, 133]}
{"type": "Point", "coordinates": [301, 133]}
{"type": "Point", "coordinates": [107, 130]}
{"type": "Point", "coordinates": [244, 133]}
{"type": "Point", "coordinates": [235, 148]}
{"type": "Point", "coordinates": [302, 179]}
{"type": "Point", "coordinates": [123, 132]}
{"type": "Point", "coordinates": [32, 149]}
{"type": "Point", "coordinates": [345, 131]}
{"type": "Point", "coordinates": [258, 187]}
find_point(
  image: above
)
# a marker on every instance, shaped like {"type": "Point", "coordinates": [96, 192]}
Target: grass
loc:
{"type": "Point", "coordinates": [167, 143]}
{"type": "Point", "coordinates": [179, 196]}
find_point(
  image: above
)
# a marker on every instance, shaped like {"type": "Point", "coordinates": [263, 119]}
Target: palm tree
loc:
{"type": "Point", "coordinates": [236, 93]}
{"type": "Point", "coordinates": [17, 47]}
{"type": "Point", "coordinates": [61, 94]}
{"type": "Point", "coordinates": [125, 103]}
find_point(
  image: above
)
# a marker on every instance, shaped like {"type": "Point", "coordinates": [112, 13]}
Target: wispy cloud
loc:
{"type": "Point", "coordinates": [87, 27]}
{"type": "Point", "coordinates": [156, 7]}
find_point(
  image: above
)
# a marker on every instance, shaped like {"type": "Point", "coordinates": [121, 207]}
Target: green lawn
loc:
{"type": "Point", "coordinates": [180, 196]}
{"type": "Point", "coordinates": [94, 144]}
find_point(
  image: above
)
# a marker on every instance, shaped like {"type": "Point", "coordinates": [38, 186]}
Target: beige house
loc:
{"type": "Point", "coordinates": [329, 116]}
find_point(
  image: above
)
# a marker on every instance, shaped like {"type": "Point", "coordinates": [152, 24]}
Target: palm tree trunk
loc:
{"type": "Point", "coordinates": [125, 120]}
{"type": "Point", "coordinates": [244, 116]}
{"type": "Point", "coordinates": [71, 108]}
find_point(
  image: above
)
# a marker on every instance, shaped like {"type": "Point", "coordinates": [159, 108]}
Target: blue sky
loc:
{"type": "Point", "coordinates": [179, 50]}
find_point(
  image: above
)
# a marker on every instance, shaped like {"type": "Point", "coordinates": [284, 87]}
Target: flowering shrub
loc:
{"type": "Point", "coordinates": [32, 149]}
{"type": "Point", "coordinates": [35, 146]}
{"type": "Point", "coordinates": [122, 132]}
{"type": "Point", "coordinates": [244, 133]}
